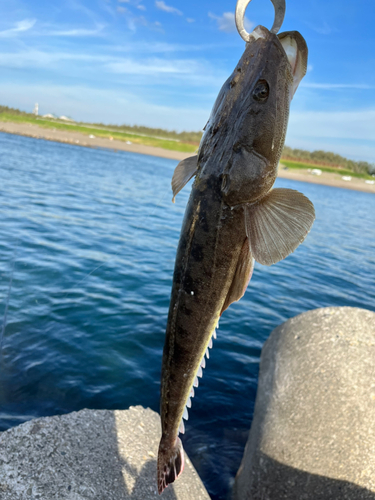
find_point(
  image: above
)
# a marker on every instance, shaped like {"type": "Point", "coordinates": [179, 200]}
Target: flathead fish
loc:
{"type": "Point", "coordinates": [233, 217]}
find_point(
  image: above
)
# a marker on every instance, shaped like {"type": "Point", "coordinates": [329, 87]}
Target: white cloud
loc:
{"type": "Point", "coordinates": [190, 20]}
{"type": "Point", "coordinates": [39, 59]}
{"type": "Point", "coordinates": [133, 21]}
{"type": "Point", "coordinates": [165, 71]}
{"type": "Point", "coordinates": [227, 23]}
{"type": "Point", "coordinates": [137, 68]}
{"type": "Point", "coordinates": [21, 26]}
{"type": "Point", "coordinates": [154, 67]}
{"type": "Point", "coordinates": [167, 8]}
{"type": "Point", "coordinates": [75, 32]}
{"type": "Point", "coordinates": [49, 30]}
{"type": "Point", "coordinates": [77, 6]}
{"type": "Point", "coordinates": [146, 48]}
{"type": "Point", "coordinates": [141, 7]}
{"type": "Point", "coordinates": [106, 6]}
{"type": "Point", "coordinates": [337, 86]}
{"type": "Point", "coordinates": [323, 29]}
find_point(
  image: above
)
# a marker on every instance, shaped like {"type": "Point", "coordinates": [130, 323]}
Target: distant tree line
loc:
{"type": "Point", "coordinates": [328, 158]}
{"type": "Point", "coordinates": [190, 137]}
{"type": "Point", "coordinates": [314, 157]}
{"type": "Point", "coordinates": [13, 111]}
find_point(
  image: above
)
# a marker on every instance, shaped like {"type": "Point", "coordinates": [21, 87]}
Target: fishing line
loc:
{"type": "Point", "coordinates": [140, 224]}
{"type": "Point", "coordinates": [135, 241]}
{"type": "Point", "coordinates": [7, 302]}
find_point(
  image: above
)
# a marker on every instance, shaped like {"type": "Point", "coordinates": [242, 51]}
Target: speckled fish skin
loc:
{"type": "Point", "coordinates": [214, 240]}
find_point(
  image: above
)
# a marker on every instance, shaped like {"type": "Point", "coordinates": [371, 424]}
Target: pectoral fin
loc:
{"type": "Point", "coordinates": [277, 224]}
{"type": "Point", "coordinates": [184, 171]}
{"type": "Point", "coordinates": [244, 270]}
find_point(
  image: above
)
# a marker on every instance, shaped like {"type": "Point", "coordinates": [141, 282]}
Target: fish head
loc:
{"type": "Point", "coordinates": [245, 134]}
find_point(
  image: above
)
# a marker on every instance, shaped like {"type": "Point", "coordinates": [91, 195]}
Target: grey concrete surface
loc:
{"type": "Point", "coordinates": [90, 454]}
{"type": "Point", "coordinates": [313, 433]}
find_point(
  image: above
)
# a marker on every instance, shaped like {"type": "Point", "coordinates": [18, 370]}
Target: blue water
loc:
{"type": "Point", "coordinates": [91, 236]}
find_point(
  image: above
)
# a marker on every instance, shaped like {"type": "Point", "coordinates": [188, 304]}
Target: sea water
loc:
{"type": "Point", "coordinates": [90, 236]}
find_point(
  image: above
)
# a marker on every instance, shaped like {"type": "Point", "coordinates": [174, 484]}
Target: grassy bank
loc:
{"type": "Point", "coordinates": [331, 170]}
{"type": "Point", "coordinates": [185, 142]}
{"type": "Point", "coordinates": [100, 131]}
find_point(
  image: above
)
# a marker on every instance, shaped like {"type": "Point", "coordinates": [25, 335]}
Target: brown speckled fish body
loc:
{"type": "Point", "coordinates": [232, 217]}
{"type": "Point", "coordinates": [201, 282]}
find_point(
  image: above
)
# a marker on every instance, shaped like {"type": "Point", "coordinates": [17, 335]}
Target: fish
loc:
{"type": "Point", "coordinates": [234, 217]}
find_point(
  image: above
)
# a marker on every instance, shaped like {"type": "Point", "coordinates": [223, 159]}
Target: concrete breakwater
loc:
{"type": "Point", "coordinates": [90, 454]}
{"type": "Point", "coordinates": [313, 432]}
{"type": "Point", "coordinates": [312, 437]}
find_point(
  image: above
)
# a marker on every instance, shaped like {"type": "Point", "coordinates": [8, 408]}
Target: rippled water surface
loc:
{"type": "Point", "coordinates": [91, 236]}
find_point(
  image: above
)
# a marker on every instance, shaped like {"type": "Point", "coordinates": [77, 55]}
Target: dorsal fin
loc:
{"type": "Point", "coordinates": [277, 224]}
{"type": "Point", "coordinates": [195, 384]}
{"type": "Point", "coordinates": [184, 171]}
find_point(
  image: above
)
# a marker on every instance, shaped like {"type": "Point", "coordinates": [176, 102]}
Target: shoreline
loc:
{"type": "Point", "coordinates": [326, 179]}
{"type": "Point", "coordinates": [83, 140]}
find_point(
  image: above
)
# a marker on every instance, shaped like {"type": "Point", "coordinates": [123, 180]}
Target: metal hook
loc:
{"type": "Point", "coordinates": [279, 6]}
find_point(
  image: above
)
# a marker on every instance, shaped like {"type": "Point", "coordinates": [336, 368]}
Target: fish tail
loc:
{"type": "Point", "coordinates": [170, 462]}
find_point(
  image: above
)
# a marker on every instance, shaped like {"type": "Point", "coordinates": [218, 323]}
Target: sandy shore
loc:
{"type": "Point", "coordinates": [326, 179]}
{"type": "Point", "coordinates": [78, 139]}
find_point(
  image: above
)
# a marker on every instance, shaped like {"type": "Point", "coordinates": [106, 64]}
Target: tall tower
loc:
{"type": "Point", "coordinates": [36, 109]}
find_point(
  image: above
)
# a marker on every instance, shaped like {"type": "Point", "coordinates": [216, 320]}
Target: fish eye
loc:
{"type": "Point", "coordinates": [261, 91]}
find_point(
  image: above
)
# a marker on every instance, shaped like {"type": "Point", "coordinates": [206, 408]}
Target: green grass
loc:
{"type": "Point", "coordinates": [330, 170]}
{"type": "Point", "coordinates": [172, 145]}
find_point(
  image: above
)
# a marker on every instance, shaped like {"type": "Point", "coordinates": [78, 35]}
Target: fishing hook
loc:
{"type": "Point", "coordinates": [279, 6]}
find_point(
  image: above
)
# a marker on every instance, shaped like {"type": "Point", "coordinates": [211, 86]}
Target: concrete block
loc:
{"type": "Point", "coordinates": [313, 433]}
{"type": "Point", "coordinates": [90, 454]}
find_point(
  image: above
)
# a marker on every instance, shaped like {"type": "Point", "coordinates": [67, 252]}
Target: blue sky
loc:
{"type": "Point", "coordinates": [161, 63]}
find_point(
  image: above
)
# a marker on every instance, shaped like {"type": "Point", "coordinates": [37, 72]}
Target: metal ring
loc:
{"type": "Point", "coordinates": [279, 6]}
